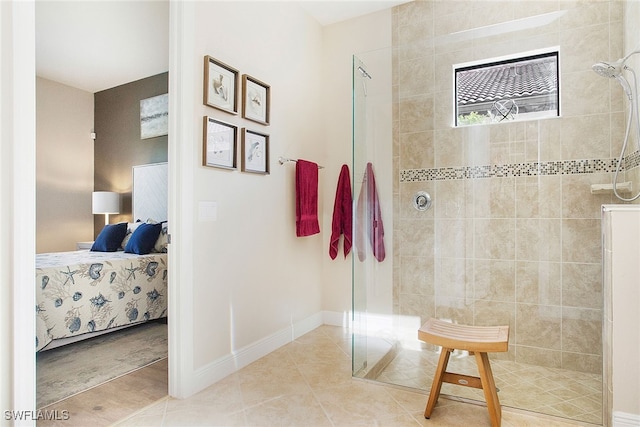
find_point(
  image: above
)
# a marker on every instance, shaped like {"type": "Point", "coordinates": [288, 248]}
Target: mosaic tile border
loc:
{"type": "Point", "coordinates": [562, 167]}
{"type": "Point", "coordinates": [632, 161]}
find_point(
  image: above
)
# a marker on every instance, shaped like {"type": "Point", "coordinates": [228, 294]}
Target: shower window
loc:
{"type": "Point", "coordinates": [507, 89]}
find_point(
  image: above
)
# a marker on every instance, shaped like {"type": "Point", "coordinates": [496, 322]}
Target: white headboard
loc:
{"type": "Point", "coordinates": [150, 192]}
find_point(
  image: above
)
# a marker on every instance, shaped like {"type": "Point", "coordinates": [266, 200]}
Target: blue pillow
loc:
{"type": "Point", "coordinates": [143, 239]}
{"type": "Point", "coordinates": [110, 238]}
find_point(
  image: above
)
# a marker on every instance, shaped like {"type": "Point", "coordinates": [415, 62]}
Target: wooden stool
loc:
{"type": "Point", "coordinates": [475, 339]}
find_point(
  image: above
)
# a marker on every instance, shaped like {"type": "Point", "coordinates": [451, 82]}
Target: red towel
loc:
{"type": "Point", "coordinates": [342, 212]}
{"type": "Point", "coordinates": [306, 198]}
{"type": "Point", "coordinates": [369, 218]}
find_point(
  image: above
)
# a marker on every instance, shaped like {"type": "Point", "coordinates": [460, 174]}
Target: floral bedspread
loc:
{"type": "Point", "coordinates": [81, 292]}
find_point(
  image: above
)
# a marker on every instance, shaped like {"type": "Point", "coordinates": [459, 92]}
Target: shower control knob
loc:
{"type": "Point", "coordinates": [422, 201]}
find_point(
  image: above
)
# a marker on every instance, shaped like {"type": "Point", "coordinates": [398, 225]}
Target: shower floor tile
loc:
{"type": "Point", "coordinates": [551, 391]}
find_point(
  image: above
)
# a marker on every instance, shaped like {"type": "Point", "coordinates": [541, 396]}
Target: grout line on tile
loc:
{"type": "Point", "coordinates": [139, 411]}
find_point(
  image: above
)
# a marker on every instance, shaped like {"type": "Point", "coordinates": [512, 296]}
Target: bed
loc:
{"type": "Point", "coordinates": [84, 293]}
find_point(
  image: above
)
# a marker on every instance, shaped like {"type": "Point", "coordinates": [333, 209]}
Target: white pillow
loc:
{"type": "Point", "coordinates": [131, 227]}
{"type": "Point", "coordinates": [163, 239]}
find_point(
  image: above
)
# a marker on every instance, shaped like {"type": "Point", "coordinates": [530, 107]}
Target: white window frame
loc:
{"type": "Point", "coordinates": [507, 110]}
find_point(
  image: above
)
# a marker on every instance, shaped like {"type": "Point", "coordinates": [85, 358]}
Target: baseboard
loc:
{"type": "Point", "coordinates": [306, 325]}
{"type": "Point", "coordinates": [227, 365]}
{"type": "Point", "coordinates": [621, 419]}
{"type": "Point", "coordinates": [336, 318]}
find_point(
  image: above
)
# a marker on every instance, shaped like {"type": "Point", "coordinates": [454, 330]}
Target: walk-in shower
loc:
{"type": "Point", "coordinates": [513, 233]}
{"type": "Point", "coordinates": [615, 70]}
{"type": "Point", "coordinates": [498, 246]}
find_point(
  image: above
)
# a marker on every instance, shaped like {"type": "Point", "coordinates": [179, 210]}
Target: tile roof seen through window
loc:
{"type": "Point", "coordinates": [515, 80]}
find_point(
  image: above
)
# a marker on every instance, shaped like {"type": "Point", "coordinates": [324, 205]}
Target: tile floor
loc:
{"type": "Point", "coordinates": [112, 401]}
{"type": "Point", "coordinates": [308, 383]}
{"type": "Point", "coordinates": [557, 392]}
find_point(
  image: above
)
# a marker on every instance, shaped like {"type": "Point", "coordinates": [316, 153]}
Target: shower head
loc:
{"type": "Point", "coordinates": [610, 70]}
{"type": "Point", "coordinates": [614, 70]}
{"type": "Point", "coordinates": [625, 85]}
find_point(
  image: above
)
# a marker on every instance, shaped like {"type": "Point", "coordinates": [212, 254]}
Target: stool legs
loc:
{"type": "Point", "coordinates": [489, 388]}
{"type": "Point", "coordinates": [437, 381]}
{"type": "Point", "coordinates": [487, 384]}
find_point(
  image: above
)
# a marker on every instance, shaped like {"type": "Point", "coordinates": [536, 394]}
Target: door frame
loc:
{"type": "Point", "coordinates": [22, 194]}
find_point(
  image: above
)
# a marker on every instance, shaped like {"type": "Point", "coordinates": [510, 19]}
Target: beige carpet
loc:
{"type": "Point", "coordinates": [65, 371]}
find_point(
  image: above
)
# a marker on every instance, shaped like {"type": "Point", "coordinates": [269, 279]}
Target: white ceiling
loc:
{"type": "Point", "coordinates": [95, 45]}
{"type": "Point", "coordinates": [328, 12]}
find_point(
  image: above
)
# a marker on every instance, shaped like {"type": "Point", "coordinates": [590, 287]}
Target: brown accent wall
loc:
{"type": "Point", "coordinates": [64, 172]}
{"type": "Point", "coordinates": [118, 146]}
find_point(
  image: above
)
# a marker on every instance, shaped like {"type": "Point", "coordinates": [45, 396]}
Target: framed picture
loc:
{"type": "Point", "coordinates": [255, 152]}
{"type": "Point", "coordinates": [221, 85]}
{"type": "Point", "coordinates": [255, 103]}
{"type": "Point", "coordinates": [220, 142]}
{"type": "Point", "coordinates": [154, 116]}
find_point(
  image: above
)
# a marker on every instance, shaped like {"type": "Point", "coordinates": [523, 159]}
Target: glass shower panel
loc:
{"type": "Point", "coordinates": [359, 296]}
{"type": "Point", "coordinates": [374, 325]}
{"type": "Point", "coordinates": [488, 251]}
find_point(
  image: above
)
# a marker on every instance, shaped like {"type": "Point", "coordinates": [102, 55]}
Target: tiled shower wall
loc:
{"type": "Point", "coordinates": [513, 236]}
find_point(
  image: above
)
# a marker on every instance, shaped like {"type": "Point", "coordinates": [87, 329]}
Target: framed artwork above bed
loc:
{"type": "Point", "coordinates": [150, 192]}
{"type": "Point", "coordinates": [154, 116]}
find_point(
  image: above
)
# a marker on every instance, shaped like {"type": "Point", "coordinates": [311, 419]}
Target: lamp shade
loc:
{"type": "Point", "coordinates": [105, 202]}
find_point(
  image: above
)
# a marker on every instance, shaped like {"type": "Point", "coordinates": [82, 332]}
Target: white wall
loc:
{"type": "Point", "coordinates": [17, 207]}
{"type": "Point", "coordinates": [341, 41]}
{"type": "Point", "coordinates": [255, 285]}
{"type": "Point", "coordinates": [250, 277]}
{"type": "Point", "coordinates": [64, 173]}
{"type": "Point", "coordinates": [621, 249]}
{"type": "Point", "coordinates": [253, 276]}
